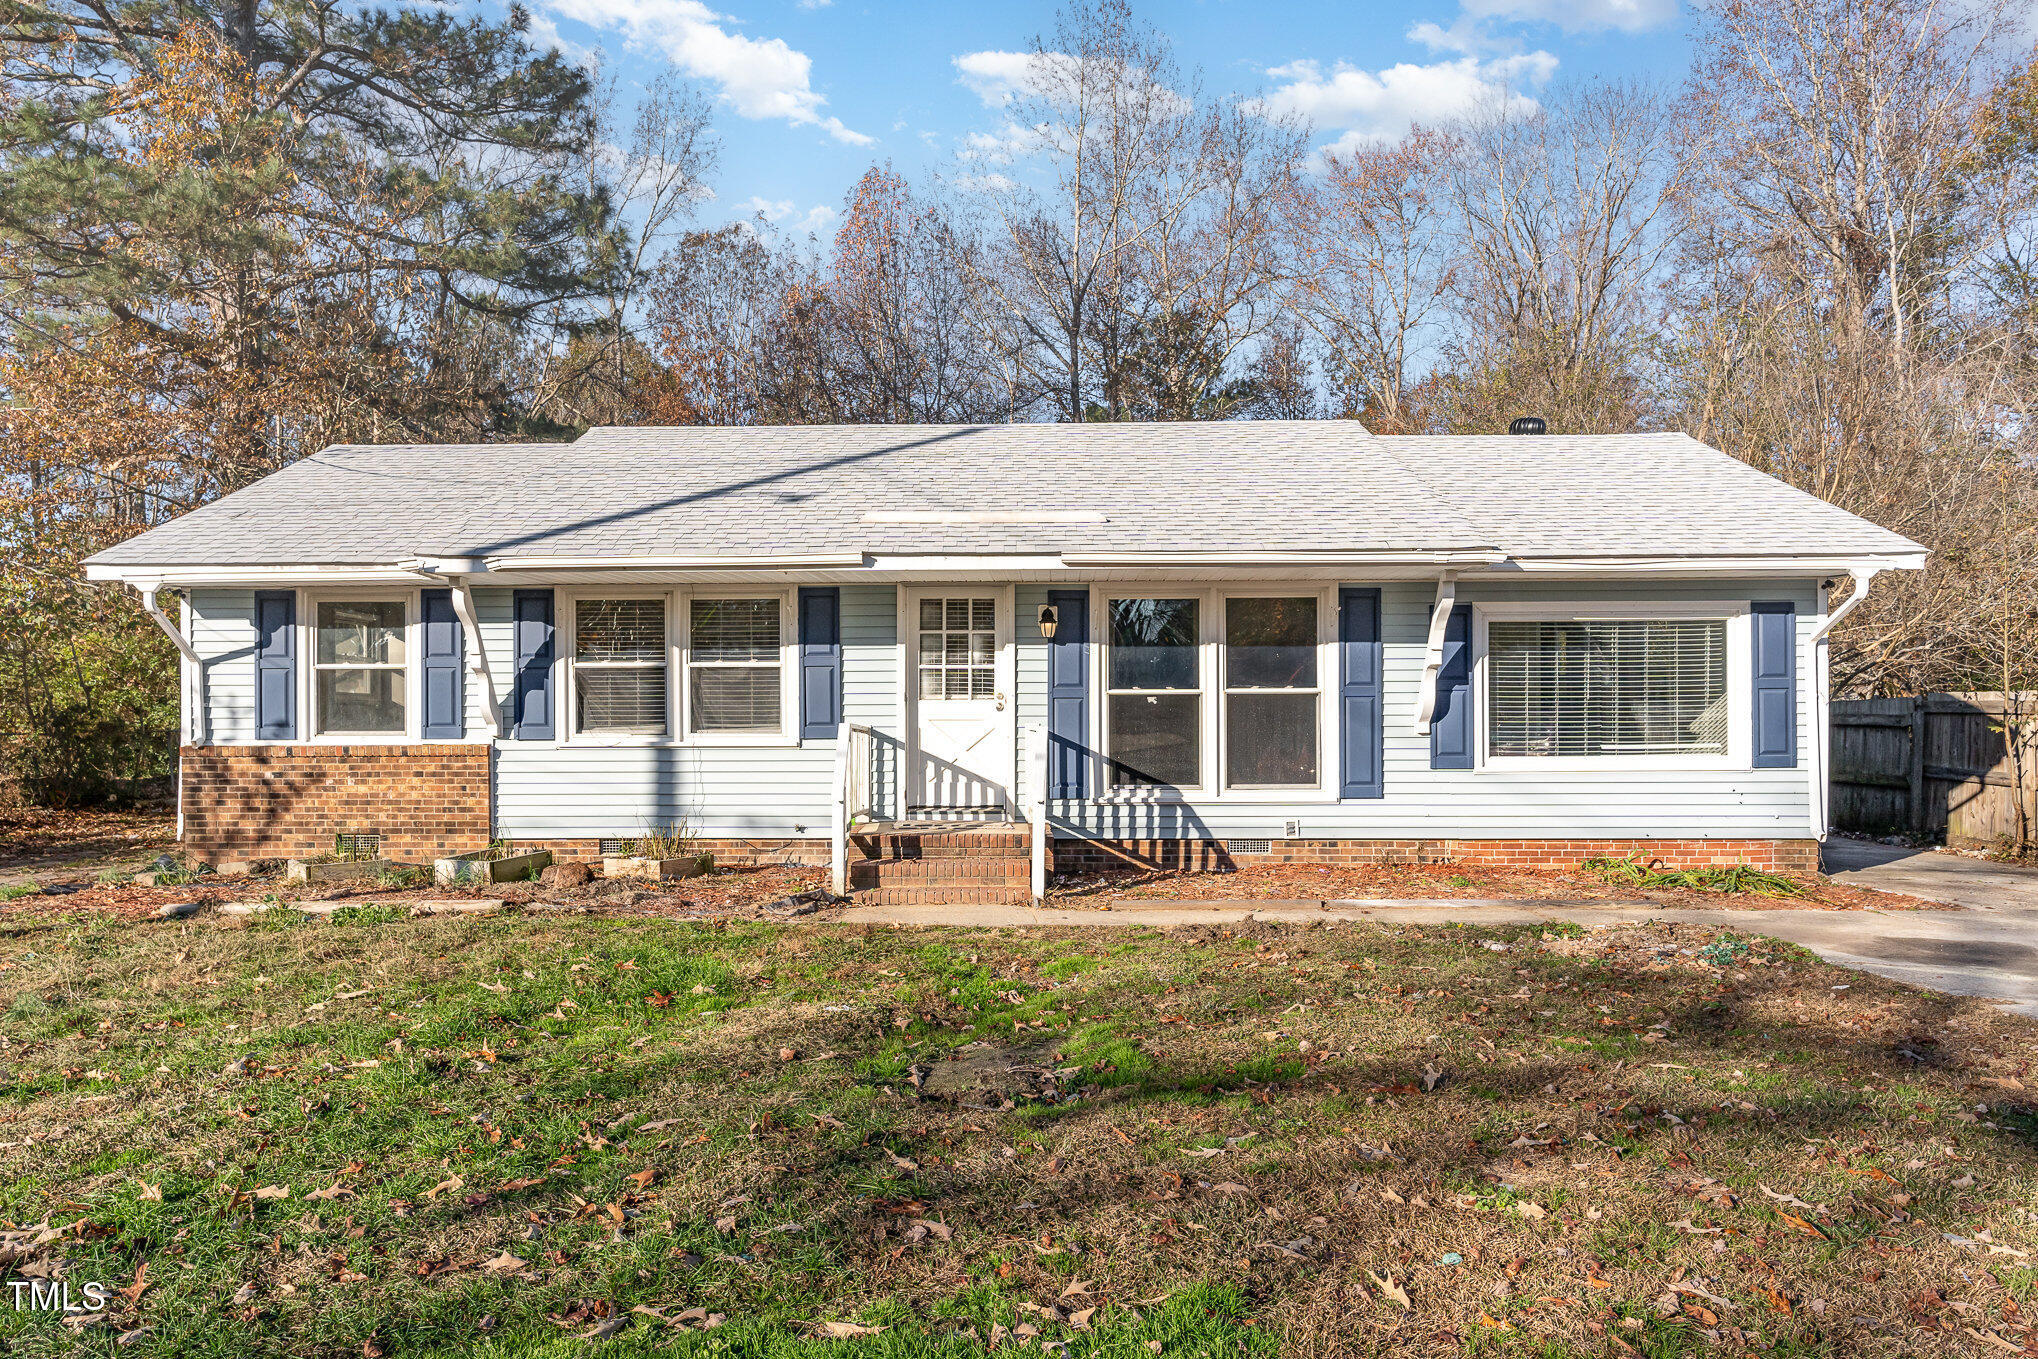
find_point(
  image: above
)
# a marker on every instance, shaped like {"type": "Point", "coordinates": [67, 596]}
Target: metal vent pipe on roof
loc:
{"type": "Point", "coordinates": [1528, 424]}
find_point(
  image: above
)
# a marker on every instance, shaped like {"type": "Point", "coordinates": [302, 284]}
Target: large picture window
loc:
{"type": "Point", "coordinates": [620, 680]}
{"type": "Point", "coordinates": [1606, 687]}
{"type": "Point", "coordinates": [1153, 693]}
{"type": "Point", "coordinates": [1271, 698]}
{"type": "Point", "coordinates": [358, 681]}
{"type": "Point", "coordinates": [734, 669]}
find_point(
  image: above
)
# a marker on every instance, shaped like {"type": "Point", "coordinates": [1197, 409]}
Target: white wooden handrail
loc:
{"type": "Point", "coordinates": [1036, 797]}
{"type": "Point", "coordinates": [854, 753]}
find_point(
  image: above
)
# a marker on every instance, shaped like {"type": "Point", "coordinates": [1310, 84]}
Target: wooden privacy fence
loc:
{"type": "Point", "coordinates": [1935, 765]}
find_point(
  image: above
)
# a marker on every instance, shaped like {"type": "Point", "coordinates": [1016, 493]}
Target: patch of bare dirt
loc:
{"type": "Point", "coordinates": [1453, 882]}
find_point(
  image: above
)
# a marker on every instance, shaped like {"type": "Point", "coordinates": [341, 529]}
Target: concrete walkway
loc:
{"type": "Point", "coordinates": [1987, 946]}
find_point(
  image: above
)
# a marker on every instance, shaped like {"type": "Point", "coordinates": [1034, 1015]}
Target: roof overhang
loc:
{"type": "Point", "coordinates": [1469, 564]}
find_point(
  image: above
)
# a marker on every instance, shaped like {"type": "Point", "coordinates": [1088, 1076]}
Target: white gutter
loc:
{"type": "Point", "coordinates": [1822, 677]}
{"type": "Point", "coordinates": [808, 561]}
{"type": "Point", "coordinates": [1433, 652]}
{"type": "Point", "coordinates": [1452, 559]}
{"type": "Point", "coordinates": [450, 571]}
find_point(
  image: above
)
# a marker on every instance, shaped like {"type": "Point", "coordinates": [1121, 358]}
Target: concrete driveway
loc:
{"type": "Point", "coordinates": [1986, 946]}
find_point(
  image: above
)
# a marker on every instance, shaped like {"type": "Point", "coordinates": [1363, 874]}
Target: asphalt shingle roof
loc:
{"type": "Point", "coordinates": [1254, 486]}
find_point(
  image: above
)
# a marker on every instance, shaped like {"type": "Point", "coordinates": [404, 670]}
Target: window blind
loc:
{"type": "Point", "coordinates": [1607, 687]}
{"type": "Point", "coordinates": [620, 630]}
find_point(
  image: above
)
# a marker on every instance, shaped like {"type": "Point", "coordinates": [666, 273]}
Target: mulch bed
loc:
{"type": "Point", "coordinates": [1451, 882]}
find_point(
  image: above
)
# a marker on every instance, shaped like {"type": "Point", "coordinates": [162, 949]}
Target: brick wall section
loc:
{"type": "Point", "coordinates": [1789, 856]}
{"type": "Point", "coordinates": [280, 802]}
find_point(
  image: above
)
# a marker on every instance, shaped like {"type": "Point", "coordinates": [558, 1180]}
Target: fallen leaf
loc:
{"type": "Point", "coordinates": [504, 1261]}
{"type": "Point", "coordinates": [273, 1191]}
{"type": "Point", "coordinates": [844, 1330]}
{"type": "Point", "coordinates": [1389, 1289]}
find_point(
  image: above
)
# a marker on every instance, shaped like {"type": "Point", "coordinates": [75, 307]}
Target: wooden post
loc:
{"type": "Point", "coordinates": [1919, 817]}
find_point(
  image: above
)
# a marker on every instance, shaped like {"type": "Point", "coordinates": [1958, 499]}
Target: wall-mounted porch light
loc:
{"type": "Point", "coordinates": [1047, 621]}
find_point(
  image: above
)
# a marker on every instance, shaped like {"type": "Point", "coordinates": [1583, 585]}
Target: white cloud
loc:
{"type": "Point", "coordinates": [758, 77]}
{"type": "Point", "coordinates": [1369, 108]}
{"type": "Point", "coordinates": [815, 4]}
{"type": "Point", "coordinates": [783, 212]}
{"type": "Point", "coordinates": [996, 77]}
{"type": "Point", "coordinates": [1009, 143]}
{"type": "Point", "coordinates": [1577, 16]}
{"type": "Point", "coordinates": [544, 34]}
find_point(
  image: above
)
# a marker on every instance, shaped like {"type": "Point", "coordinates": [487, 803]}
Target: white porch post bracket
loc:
{"type": "Point", "coordinates": [1433, 653]}
{"type": "Point", "coordinates": [477, 655]}
{"type": "Point", "coordinates": [1820, 663]}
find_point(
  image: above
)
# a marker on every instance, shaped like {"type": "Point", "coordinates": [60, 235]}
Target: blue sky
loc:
{"type": "Point", "coordinates": [810, 93]}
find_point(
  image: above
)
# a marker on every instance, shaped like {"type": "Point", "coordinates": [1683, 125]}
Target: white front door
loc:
{"type": "Point", "coordinates": [959, 672]}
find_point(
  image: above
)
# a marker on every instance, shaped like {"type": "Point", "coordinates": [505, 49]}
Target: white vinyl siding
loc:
{"type": "Point", "coordinates": [546, 791]}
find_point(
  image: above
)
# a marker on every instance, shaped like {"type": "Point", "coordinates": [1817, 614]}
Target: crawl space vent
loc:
{"type": "Point", "coordinates": [358, 844]}
{"type": "Point", "coordinates": [613, 846]}
{"type": "Point", "coordinates": [1249, 846]}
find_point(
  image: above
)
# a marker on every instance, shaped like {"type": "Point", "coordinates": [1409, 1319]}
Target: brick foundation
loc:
{"type": "Point", "coordinates": [1787, 856]}
{"type": "Point", "coordinates": [281, 802]}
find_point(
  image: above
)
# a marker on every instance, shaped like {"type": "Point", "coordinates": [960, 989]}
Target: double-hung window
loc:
{"type": "Point", "coordinates": [735, 666]}
{"type": "Point", "coordinates": [1214, 691]}
{"type": "Point", "coordinates": [1272, 702]}
{"type": "Point", "coordinates": [1597, 688]}
{"type": "Point", "coordinates": [620, 667]}
{"type": "Point", "coordinates": [359, 682]}
{"type": "Point", "coordinates": [1153, 693]}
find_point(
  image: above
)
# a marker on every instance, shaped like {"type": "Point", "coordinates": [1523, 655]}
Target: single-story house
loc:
{"type": "Point", "coordinates": [947, 657]}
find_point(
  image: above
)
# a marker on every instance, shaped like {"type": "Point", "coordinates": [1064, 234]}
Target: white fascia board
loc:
{"type": "Point", "coordinates": [814, 561]}
{"type": "Point", "coordinates": [184, 576]}
{"type": "Point", "coordinates": [1745, 565]}
{"type": "Point", "coordinates": [1452, 558]}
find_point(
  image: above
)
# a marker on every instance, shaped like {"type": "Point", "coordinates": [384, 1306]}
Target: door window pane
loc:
{"type": "Point", "coordinates": [959, 649]}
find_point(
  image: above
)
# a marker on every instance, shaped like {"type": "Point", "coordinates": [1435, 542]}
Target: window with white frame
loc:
{"type": "Point", "coordinates": [1153, 693]}
{"type": "Point", "coordinates": [1272, 700]}
{"type": "Point", "coordinates": [620, 667]}
{"type": "Point", "coordinates": [1606, 687]}
{"type": "Point", "coordinates": [358, 667]}
{"type": "Point", "coordinates": [735, 670]}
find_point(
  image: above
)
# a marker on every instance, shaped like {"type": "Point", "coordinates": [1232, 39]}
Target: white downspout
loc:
{"type": "Point", "coordinates": [1433, 653]}
{"type": "Point", "coordinates": [1822, 678]}
{"type": "Point", "coordinates": [155, 611]}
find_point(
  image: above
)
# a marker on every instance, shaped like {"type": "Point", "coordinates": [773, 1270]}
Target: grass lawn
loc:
{"type": "Point", "coordinates": [544, 1135]}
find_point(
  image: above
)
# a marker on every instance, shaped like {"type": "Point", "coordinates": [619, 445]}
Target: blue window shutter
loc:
{"type": "Point", "coordinates": [1450, 730]}
{"type": "Point", "coordinates": [276, 665]}
{"type": "Point", "coordinates": [443, 655]}
{"type": "Point", "coordinates": [1068, 695]}
{"type": "Point", "coordinates": [820, 662]}
{"type": "Point", "coordinates": [531, 694]}
{"type": "Point", "coordinates": [1775, 648]}
{"type": "Point", "coordinates": [1361, 711]}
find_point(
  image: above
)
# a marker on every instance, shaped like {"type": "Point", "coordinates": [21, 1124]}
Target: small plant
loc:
{"type": "Point", "coordinates": [1724, 951]}
{"type": "Point", "coordinates": [401, 876]}
{"type": "Point", "coordinates": [15, 891]}
{"type": "Point", "coordinates": [673, 840]}
{"type": "Point", "coordinates": [1631, 871]}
